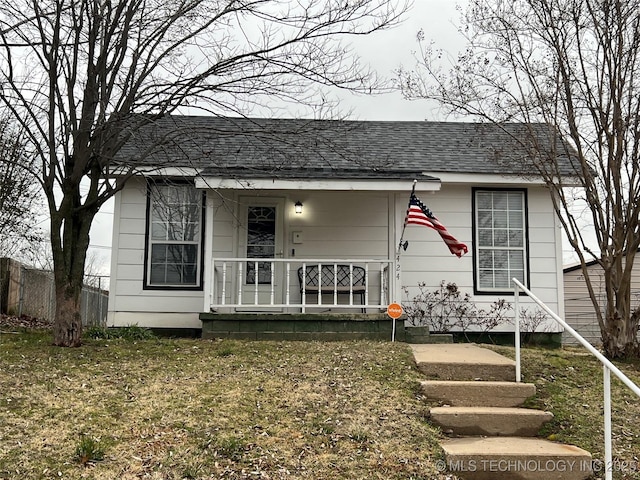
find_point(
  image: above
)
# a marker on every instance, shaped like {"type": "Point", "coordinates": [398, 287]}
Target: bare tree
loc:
{"type": "Point", "coordinates": [569, 67]}
{"type": "Point", "coordinates": [78, 74]}
{"type": "Point", "coordinates": [18, 194]}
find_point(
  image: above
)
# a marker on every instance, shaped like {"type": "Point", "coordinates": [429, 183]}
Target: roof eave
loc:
{"type": "Point", "coordinates": [332, 184]}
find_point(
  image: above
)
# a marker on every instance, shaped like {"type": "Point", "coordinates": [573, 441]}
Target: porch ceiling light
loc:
{"type": "Point", "coordinates": [298, 206]}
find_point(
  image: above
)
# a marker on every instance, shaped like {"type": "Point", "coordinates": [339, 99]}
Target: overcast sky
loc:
{"type": "Point", "coordinates": [387, 50]}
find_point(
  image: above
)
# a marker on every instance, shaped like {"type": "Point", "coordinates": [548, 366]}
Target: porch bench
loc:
{"type": "Point", "coordinates": [342, 283]}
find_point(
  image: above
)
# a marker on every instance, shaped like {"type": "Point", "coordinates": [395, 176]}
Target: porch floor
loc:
{"type": "Point", "coordinates": [301, 326]}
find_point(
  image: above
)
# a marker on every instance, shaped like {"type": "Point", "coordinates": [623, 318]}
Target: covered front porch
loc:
{"type": "Point", "coordinates": [302, 259]}
{"type": "Point", "coordinates": [301, 299]}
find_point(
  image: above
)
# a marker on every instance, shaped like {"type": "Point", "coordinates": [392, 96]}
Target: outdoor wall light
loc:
{"type": "Point", "coordinates": [298, 206]}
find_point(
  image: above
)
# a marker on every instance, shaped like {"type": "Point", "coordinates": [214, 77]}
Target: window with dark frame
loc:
{"type": "Point", "coordinates": [175, 236]}
{"type": "Point", "coordinates": [500, 239]}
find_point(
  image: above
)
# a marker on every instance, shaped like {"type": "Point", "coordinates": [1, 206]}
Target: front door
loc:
{"type": "Point", "coordinates": [261, 236]}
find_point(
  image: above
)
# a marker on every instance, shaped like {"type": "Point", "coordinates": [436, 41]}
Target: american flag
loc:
{"type": "Point", "coordinates": [419, 214]}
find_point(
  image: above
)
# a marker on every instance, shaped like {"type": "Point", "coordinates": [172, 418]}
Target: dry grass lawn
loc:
{"type": "Point", "coordinates": [195, 409]}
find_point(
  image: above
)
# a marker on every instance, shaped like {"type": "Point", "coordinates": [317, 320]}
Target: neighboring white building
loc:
{"type": "Point", "coordinates": [187, 238]}
{"type": "Point", "coordinates": [579, 310]}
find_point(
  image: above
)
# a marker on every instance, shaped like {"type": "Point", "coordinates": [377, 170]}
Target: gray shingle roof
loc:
{"type": "Point", "coordinates": [295, 148]}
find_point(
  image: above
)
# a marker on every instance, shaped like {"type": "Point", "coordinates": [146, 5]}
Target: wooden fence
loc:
{"type": "Point", "coordinates": [30, 291]}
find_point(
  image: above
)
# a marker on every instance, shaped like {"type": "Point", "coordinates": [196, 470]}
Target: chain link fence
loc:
{"type": "Point", "coordinates": [29, 291]}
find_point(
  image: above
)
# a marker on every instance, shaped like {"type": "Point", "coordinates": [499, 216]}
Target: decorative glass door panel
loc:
{"type": "Point", "coordinates": [261, 236]}
{"type": "Point", "coordinates": [261, 242]}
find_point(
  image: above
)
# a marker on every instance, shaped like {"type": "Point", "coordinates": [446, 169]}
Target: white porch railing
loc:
{"type": "Point", "coordinates": [607, 366]}
{"type": "Point", "coordinates": [295, 283]}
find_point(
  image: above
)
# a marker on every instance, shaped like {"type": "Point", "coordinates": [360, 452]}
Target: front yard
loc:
{"type": "Point", "coordinates": [174, 409]}
{"type": "Point", "coordinates": [196, 409]}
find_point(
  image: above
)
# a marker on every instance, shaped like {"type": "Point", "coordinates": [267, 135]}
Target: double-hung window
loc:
{"type": "Point", "coordinates": [174, 248]}
{"type": "Point", "coordinates": [500, 239]}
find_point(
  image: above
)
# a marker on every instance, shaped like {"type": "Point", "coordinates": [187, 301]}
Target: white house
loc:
{"type": "Point", "coordinates": [220, 199]}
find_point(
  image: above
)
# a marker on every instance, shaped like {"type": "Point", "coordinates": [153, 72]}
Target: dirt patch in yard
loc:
{"type": "Point", "coordinates": [12, 323]}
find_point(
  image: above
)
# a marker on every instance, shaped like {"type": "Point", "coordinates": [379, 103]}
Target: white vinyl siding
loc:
{"type": "Point", "coordinates": [333, 225]}
{"type": "Point", "coordinates": [175, 236]}
{"type": "Point", "coordinates": [579, 310]}
{"type": "Point", "coordinates": [130, 301]}
{"type": "Point", "coordinates": [427, 259]}
{"type": "Point", "coordinates": [500, 246]}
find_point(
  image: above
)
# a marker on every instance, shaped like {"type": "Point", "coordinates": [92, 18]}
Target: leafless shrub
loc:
{"type": "Point", "coordinates": [447, 309]}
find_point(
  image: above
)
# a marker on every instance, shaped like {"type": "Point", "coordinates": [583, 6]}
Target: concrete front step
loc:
{"type": "Point", "coordinates": [463, 361]}
{"type": "Point", "coordinates": [502, 421]}
{"type": "Point", "coordinates": [478, 394]}
{"type": "Point", "coordinates": [514, 458]}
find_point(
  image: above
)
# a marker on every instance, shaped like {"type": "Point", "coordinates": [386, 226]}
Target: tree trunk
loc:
{"type": "Point", "coordinates": [67, 328]}
{"type": "Point", "coordinates": [69, 244]}
{"type": "Point", "coordinates": [620, 336]}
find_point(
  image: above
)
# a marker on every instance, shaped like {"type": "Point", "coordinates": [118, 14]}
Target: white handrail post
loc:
{"type": "Point", "coordinates": [351, 284]}
{"type": "Point", "coordinates": [366, 284]}
{"type": "Point", "coordinates": [224, 283]}
{"type": "Point", "coordinates": [256, 273]}
{"type": "Point", "coordinates": [335, 284]}
{"type": "Point", "coordinates": [320, 284]}
{"type": "Point", "coordinates": [516, 295]}
{"type": "Point", "coordinates": [212, 290]}
{"type": "Point", "coordinates": [304, 287]}
{"type": "Point", "coordinates": [240, 264]}
{"type": "Point", "coordinates": [273, 283]}
{"type": "Point", "coordinates": [288, 295]}
{"type": "Point", "coordinates": [608, 457]}
{"type": "Point", "coordinates": [382, 299]}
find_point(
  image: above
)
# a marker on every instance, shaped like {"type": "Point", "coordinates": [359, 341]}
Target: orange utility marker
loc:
{"type": "Point", "coordinates": [394, 310]}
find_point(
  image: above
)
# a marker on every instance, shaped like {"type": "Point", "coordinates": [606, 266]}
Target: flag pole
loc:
{"type": "Point", "coordinates": [400, 246]}
{"type": "Point", "coordinates": [413, 191]}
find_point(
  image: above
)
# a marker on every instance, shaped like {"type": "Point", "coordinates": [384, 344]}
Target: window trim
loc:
{"type": "Point", "coordinates": [474, 230]}
{"type": "Point", "coordinates": [146, 285]}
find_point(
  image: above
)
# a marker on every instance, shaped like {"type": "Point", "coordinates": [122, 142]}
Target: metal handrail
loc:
{"type": "Point", "coordinates": [607, 366]}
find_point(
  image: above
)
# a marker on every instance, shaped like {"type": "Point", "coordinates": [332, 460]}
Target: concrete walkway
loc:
{"type": "Point", "coordinates": [463, 361]}
{"type": "Point", "coordinates": [476, 402]}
